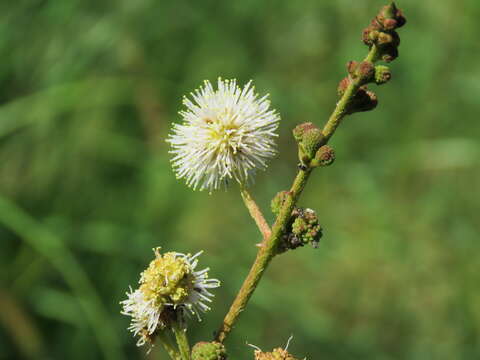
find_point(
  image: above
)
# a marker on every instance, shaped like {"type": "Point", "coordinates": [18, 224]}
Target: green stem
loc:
{"type": "Point", "coordinates": [167, 345]}
{"type": "Point", "coordinates": [373, 54]}
{"type": "Point", "coordinates": [340, 111]}
{"type": "Point", "coordinates": [270, 245]}
{"type": "Point", "coordinates": [265, 254]}
{"type": "Point", "coordinates": [182, 340]}
{"type": "Point", "coordinates": [256, 213]}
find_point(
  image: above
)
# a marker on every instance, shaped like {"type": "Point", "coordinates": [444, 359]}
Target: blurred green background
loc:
{"type": "Point", "coordinates": [88, 90]}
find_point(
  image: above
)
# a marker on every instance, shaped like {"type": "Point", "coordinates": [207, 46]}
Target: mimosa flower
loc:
{"type": "Point", "coordinates": [169, 282]}
{"type": "Point", "coordinates": [227, 133]}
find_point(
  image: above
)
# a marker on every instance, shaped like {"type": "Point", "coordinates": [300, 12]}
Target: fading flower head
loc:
{"type": "Point", "coordinates": [276, 354]}
{"type": "Point", "coordinates": [169, 283]}
{"type": "Point", "coordinates": [227, 133]}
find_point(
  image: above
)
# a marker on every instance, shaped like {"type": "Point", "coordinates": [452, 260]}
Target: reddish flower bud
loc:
{"type": "Point", "coordinates": [352, 67]}
{"type": "Point", "coordinates": [325, 156]}
{"type": "Point", "coordinates": [342, 86]}
{"type": "Point", "coordinates": [390, 24]}
{"type": "Point", "coordinates": [366, 36]}
{"type": "Point", "coordinates": [365, 72]}
{"type": "Point", "coordinates": [390, 17]}
{"type": "Point", "coordinates": [381, 29]}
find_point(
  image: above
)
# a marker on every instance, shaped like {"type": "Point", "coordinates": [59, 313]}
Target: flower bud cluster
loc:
{"type": "Point", "coordinates": [311, 149]}
{"type": "Point", "coordinates": [381, 32]}
{"type": "Point", "coordinates": [365, 72]}
{"type": "Point", "coordinates": [209, 351]}
{"type": "Point", "coordinates": [278, 200]}
{"type": "Point", "coordinates": [309, 138]}
{"type": "Point", "coordinates": [363, 100]}
{"type": "Point", "coordinates": [305, 229]}
{"type": "Point", "coordinates": [302, 228]}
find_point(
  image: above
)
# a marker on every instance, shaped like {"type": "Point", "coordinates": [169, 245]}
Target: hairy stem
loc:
{"type": "Point", "coordinates": [256, 213]}
{"type": "Point", "coordinates": [182, 340]}
{"type": "Point", "coordinates": [270, 244]}
{"type": "Point", "coordinates": [167, 345]}
{"type": "Point", "coordinates": [340, 111]}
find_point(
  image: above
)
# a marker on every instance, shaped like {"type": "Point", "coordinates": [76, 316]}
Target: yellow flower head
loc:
{"type": "Point", "coordinates": [169, 283]}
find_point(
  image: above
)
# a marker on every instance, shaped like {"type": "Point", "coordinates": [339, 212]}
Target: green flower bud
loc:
{"type": "Point", "coordinates": [209, 351]}
{"type": "Point", "coordinates": [388, 11]}
{"type": "Point", "coordinates": [300, 130]}
{"type": "Point", "coordinates": [309, 138]}
{"type": "Point", "coordinates": [311, 142]}
{"type": "Point", "coordinates": [390, 38]}
{"type": "Point", "coordinates": [278, 200]}
{"type": "Point", "coordinates": [352, 68]}
{"type": "Point", "coordinates": [382, 74]}
{"type": "Point", "coordinates": [384, 39]}
{"type": "Point", "coordinates": [373, 35]}
{"type": "Point", "coordinates": [299, 226]}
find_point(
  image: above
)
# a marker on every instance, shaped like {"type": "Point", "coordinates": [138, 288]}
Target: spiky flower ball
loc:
{"type": "Point", "coordinates": [169, 283]}
{"type": "Point", "coordinates": [209, 351]}
{"type": "Point", "coordinates": [227, 133]}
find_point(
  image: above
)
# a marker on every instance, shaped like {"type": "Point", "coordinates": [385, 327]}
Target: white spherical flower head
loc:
{"type": "Point", "coordinates": [169, 283]}
{"type": "Point", "coordinates": [226, 134]}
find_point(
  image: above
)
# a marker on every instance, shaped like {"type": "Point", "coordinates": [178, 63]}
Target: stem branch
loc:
{"type": "Point", "coordinates": [256, 213]}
